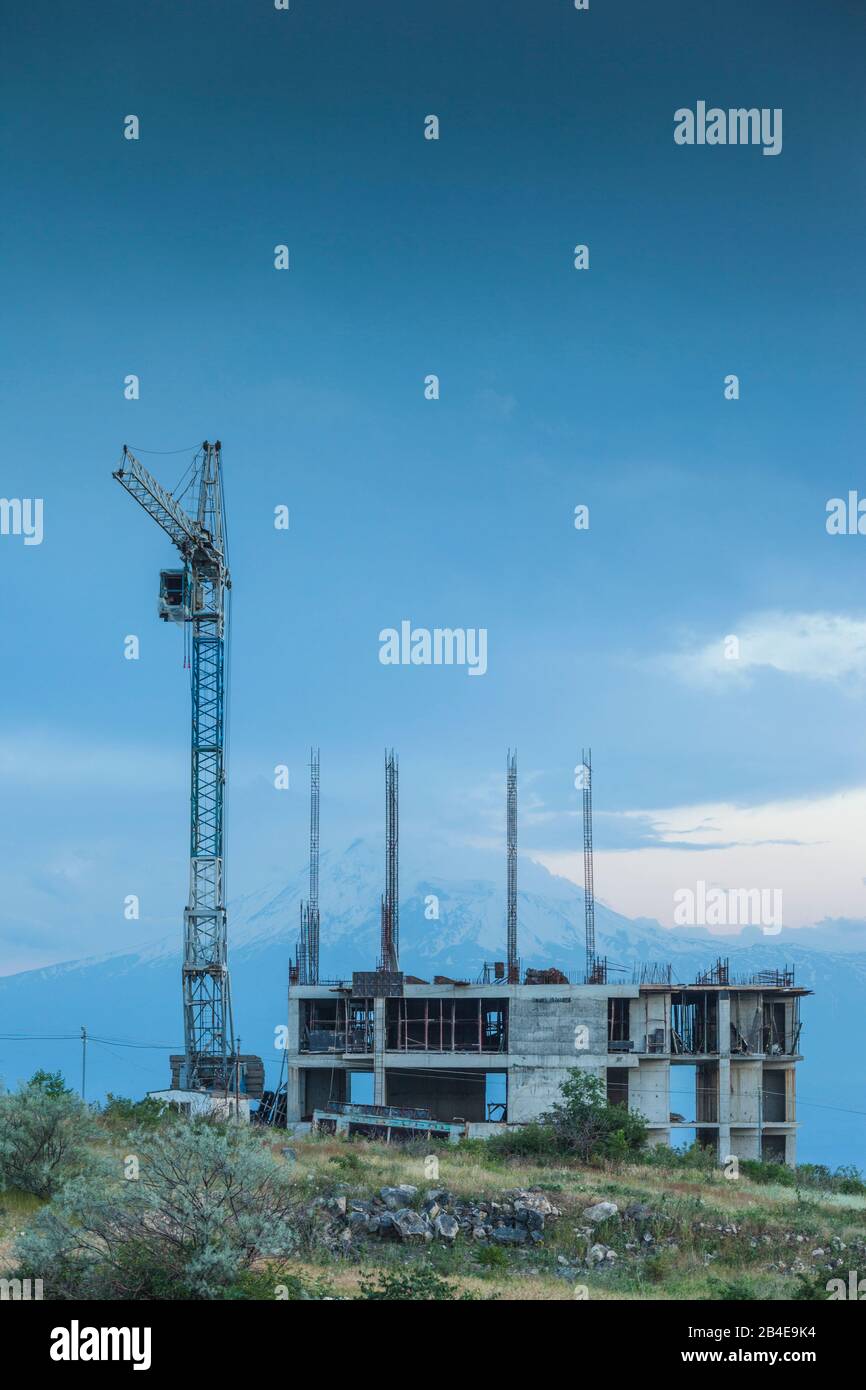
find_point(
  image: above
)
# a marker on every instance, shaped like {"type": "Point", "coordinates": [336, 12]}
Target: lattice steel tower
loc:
{"type": "Point", "coordinates": [196, 596]}
{"type": "Point", "coordinates": [390, 944]}
{"type": "Point", "coordinates": [592, 966]}
{"type": "Point", "coordinates": [307, 952]}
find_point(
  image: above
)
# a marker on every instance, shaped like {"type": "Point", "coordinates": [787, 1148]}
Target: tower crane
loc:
{"type": "Point", "coordinates": [195, 597]}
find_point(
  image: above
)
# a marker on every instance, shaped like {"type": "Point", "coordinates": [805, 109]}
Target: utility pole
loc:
{"type": "Point", "coordinates": [83, 1058]}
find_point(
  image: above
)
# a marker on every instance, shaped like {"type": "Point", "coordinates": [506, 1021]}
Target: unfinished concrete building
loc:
{"type": "Point", "coordinates": [711, 1060]}
{"type": "Point", "coordinates": [714, 1059]}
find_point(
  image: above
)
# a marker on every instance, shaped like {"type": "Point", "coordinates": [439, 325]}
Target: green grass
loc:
{"type": "Point", "coordinates": [710, 1238]}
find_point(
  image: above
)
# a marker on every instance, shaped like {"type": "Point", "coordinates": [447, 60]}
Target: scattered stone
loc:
{"type": "Point", "coordinates": [599, 1254]}
{"type": "Point", "coordinates": [600, 1212]}
{"type": "Point", "coordinates": [639, 1211]}
{"type": "Point", "coordinates": [410, 1225]}
{"type": "Point", "coordinates": [509, 1235]}
{"type": "Point", "coordinates": [446, 1227]}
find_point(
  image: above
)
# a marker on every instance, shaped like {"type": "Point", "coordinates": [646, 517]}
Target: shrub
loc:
{"type": "Point", "coordinates": [209, 1204]}
{"type": "Point", "coordinates": [585, 1125]}
{"type": "Point", "coordinates": [810, 1288]}
{"type": "Point", "coordinates": [733, 1291]}
{"type": "Point", "coordinates": [762, 1172]}
{"type": "Point", "coordinates": [699, 1156]}
{"type": "Point", "coordinates": [120, 1114]}
{"type": "Point", "coordinates": [44, 1132]}
{"type": "Point", "coordinates": [492, 1258]}
{"type": "Point", "coordinates": [420, 1285]}
{"type": "Point", "coordinates": [529, 1141]}
{"type": "Point", "coordinates": [348, 1163]}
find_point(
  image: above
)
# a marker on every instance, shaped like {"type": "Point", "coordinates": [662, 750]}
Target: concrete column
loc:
{"type": "Point", "coordinates": [293, 1047]}
{"type": "Point", "coordinates": [379, 1052]}
{"type": "Point", "coordinates": [724, 1026]}
{"type": "Point", "coordinates": [293, 1095]}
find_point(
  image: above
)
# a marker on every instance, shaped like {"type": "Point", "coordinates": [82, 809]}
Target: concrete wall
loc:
{"type": "Point", "coordinates": [550, 1024]}
{"type": "Point", "coordinates": [449, 1097]}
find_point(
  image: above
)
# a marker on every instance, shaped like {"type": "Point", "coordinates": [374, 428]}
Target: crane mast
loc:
{"type": "Point", "coordinates": [196, 597]}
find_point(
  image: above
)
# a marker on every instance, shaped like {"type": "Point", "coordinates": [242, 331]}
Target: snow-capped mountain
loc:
{"type": "Point", "coordinates": [452, 916]}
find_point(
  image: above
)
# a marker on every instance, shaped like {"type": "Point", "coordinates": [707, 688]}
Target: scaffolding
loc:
{"type": "Point", "coordinates": [446, 1025]}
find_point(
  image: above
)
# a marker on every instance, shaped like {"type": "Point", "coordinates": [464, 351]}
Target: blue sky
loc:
{"type": "Point", "coordinates": [558, 387]}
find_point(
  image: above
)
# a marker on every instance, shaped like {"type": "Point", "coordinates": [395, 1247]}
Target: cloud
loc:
{"type": "Point", "coordinates": [35, 759]}
{"type": "Point", "coordinates": [827, 647]}
{"type": "Point", "coordinates": [810, 848]}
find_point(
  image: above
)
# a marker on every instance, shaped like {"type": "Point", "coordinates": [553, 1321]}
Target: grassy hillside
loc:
{"type": "Point", "coordinates": [680, 1232]}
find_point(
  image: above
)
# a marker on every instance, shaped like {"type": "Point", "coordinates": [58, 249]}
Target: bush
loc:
{"type": "Point", "coordinates": [582, 1125]}
{"type": "Point", "coordinates": [421, 1285]}
{"type": "Point", "coordinates": [492, 1258]}
{"type": "Point", "coordinates": [529, 1141]}
{"type": "Point", "coordinates": [815, 1176]}
{"type": "Point", "coordinates": [762, 1172]}
{"type": "Point", "coordinates": [348, 1163]}
{"type": "Point", "coordinates": [44, 1132]}
{"type": "Point", "coordinates": [700, 1156]}
{"type": "Point", "coordinates": [586, 1126]}
{"type": "Point", "coordinates": [209, 1203]}
{"type": "Point", "coordinates": [120, 1114]}
{"type": "Point", "coordinates": [733, 1291]}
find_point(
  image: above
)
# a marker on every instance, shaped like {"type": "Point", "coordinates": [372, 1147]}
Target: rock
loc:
{"type": "Point", "coordinates": [446, 1227]}
{"type": "Point", "coordinates": [410, 1225]}
{"type": "Point", "coordinates": [509, 1235]}
{"type": "Point", "coordinates": [438, 1194]}
{"type": "Point", "coordinates": [337, 1204]}
{"type": "Point", "coordinates": [599, 1254]}
{"type": "Point", "coordinates": [289, 1155]}
{"type": "Point", "coordinates": [600, 1212]}
{"type": "Point", "coordinates": [396, 1197]}
{"type": "Point", "coordinates": [431, 1210]}
{"type": "Point", "coordinates": [359, 1222]}
{"type": "Point", "coordinates": [534, 1201]}
{"type": "Point", "coordinates": [373, 1225]}
{"type": "Point", "coordinates": [639, 1211]}
{"type": "Point", "coordinates": [479, 1233]}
